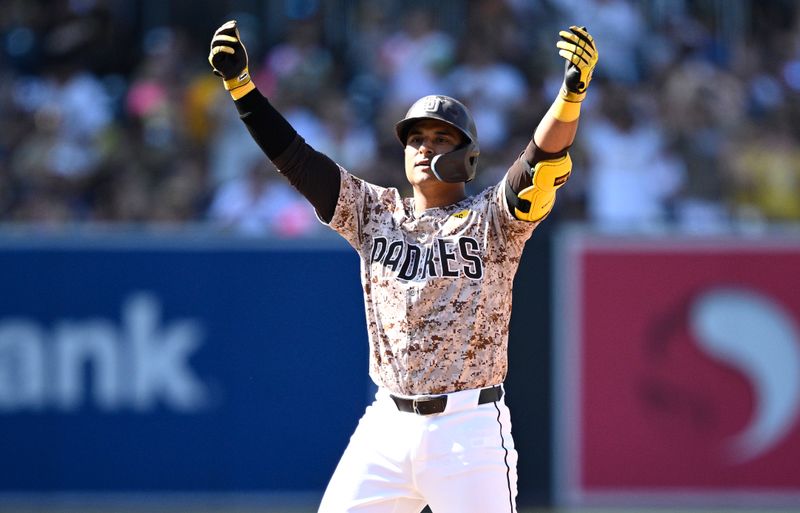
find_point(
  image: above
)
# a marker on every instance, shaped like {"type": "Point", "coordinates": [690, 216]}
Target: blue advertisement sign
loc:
{"type": "Point", "coordinates": [163, 364]}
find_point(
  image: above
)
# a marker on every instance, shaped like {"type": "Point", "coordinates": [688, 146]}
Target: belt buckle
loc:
{"type": "Point", "coordinates": [423, 405]}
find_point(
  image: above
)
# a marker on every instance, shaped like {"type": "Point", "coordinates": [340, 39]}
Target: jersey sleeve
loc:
{"type": "Point", "coordinates": [508, 231]}
{"type": "Point", "coordinates": [356, 203]}
{"type": "Point", "coordinates": [512, 224]}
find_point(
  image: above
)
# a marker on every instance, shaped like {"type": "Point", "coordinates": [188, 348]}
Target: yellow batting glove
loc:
{"type": "Point", "coordinates": [577, 46]}
{"type": "Point", "coordinates": [228, 59]}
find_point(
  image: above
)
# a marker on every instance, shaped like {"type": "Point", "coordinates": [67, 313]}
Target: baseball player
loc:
{"type": "Point", "coordinates": [437, 270]}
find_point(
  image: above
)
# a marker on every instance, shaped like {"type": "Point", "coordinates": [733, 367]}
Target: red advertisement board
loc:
{"type": "Point", "coordinates": [678, 371]}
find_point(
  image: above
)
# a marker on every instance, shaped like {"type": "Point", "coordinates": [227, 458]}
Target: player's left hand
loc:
{"type": "Point", "coordinates": [578, 48]}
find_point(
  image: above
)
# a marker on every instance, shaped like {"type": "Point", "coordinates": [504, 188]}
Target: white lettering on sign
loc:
{"type": "Point", "coordinates": [135, 365]}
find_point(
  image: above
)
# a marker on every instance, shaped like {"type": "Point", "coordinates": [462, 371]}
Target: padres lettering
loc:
{"type": "Point", "coordinates": [448, 258]}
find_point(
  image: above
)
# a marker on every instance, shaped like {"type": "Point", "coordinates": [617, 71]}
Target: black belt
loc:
{"type": "Point", "coordinates": [432, 404]}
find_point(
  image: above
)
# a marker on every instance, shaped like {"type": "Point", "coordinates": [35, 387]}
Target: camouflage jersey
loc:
{"type": "Point", "coordinates": [437, 285]}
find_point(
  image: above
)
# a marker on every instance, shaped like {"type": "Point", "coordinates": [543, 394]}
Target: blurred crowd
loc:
{"type": "Point", "coordinates": [692, 121]}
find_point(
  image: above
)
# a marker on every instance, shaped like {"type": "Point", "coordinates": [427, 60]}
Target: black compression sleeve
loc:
{"type": "Point", "coordinates": [268, 127]}
{"type": "Point", "coordinates": [312, 173]}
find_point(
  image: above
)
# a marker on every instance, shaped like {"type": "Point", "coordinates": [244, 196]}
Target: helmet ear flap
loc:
{"type": "Point", "coordinates": [456, 166]}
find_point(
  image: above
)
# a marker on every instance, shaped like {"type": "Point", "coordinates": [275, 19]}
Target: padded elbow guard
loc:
{"type": "Point", "coordinates": [535, 202]}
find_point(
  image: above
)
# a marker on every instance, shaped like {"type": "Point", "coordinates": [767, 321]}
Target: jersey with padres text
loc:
{"type": "Point", "coordinates": [437, 285]}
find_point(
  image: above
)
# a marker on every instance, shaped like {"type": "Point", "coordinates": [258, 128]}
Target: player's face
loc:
{"type": "Point", "coordinates": [426, 139]}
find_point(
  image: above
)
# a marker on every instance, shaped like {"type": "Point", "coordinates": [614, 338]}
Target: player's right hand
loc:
{"type": "Point", "coordinates": [228, 57]}
{"type": "Point", "coordinates": [578, 48]}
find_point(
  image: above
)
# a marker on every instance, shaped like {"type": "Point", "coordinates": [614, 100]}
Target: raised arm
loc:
{"type": "Point", "coordinates": [545, 165]}
{"type": "Point", "coordinates": [310, 172]}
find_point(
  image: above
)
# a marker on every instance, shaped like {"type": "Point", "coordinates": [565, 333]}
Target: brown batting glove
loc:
{"type": "Point", "coordinates": [228, 59]}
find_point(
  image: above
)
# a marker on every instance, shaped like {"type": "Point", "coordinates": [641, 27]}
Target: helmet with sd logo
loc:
{"type": "Point", "coordinates": [460, 164]}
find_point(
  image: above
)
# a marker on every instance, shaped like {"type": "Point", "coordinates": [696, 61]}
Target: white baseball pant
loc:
{"type": "Point", "coordinates": [460, 461]}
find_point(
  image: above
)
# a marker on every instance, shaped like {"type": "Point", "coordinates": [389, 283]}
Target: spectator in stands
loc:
{"type": "Point", "coordinates": [631, 175]}
{"type": "Point", "coordinates": [100, 123]}
{"type": "Point", "coordinates": [261, 203]}
{"type": "Point", "coordinates": [415, 58]}
{"type": "Point", "coordinates": [763, 170]}
{"type": "Point", "coordinates": [492, 86]}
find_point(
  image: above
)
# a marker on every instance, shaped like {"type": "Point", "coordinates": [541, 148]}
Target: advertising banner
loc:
{"type": "Point", "coordinates": [677, 371]}
{"type": "Point", "coordinates": [171, 364]}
